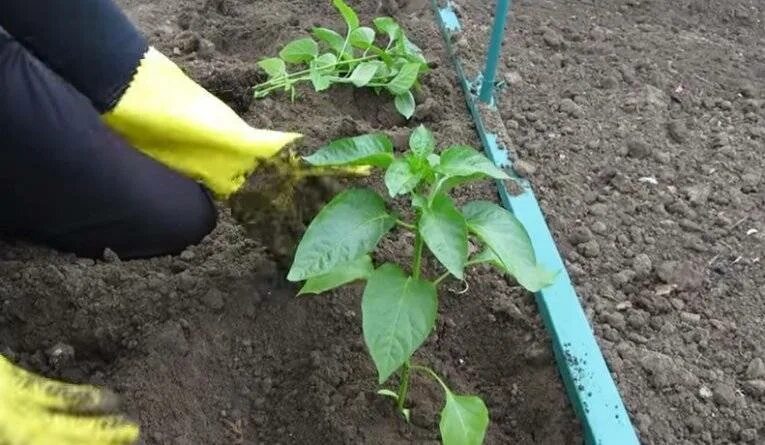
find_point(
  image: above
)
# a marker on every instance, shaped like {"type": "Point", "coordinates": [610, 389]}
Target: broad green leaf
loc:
{"type": "Point", "coordinates": [367, 149]}
{"type": "Point", "coordinates": [382, 71]}
{"type": "Point", "coordinates": [389, 27]}
{"type": "Point", "coordinates": [345, 229]}
{"type": "Point", "coordinates": [434, 159]}
{"type": "Point", "coordinates": [320, 72]}
{"type": "Point", "coordinates": [300, 50]}
{"type": "Point", "coordinates": [343, 273]}
{"type": "Point", "coordinates": [401, 178]}
{"type": "Point", "coordinates": [422, 142]}
{"type": "Point", "coordinates": [319, 81]}
{"type": "Point", "coordinates": [334, 40]}
{"type": "Point", "coordinates": [398, 313]}
{"type": "Point", "coordinates": [412, 52]}
{"type": "Point", "coordinates": [405, 104]}
{"type": "Point", "coordinates": [274, 67]}
{"type": "Point", "coordinates": [462, 160]}
{"type": "Point", "coordinates": [351, 19]}
{"type": "Point", "coordinates": [464, 420]}
{"type": "Point", "coordinates": [363, 73]}
{"type": "Point", "coordinates": [419, 201]}
{"type": "Point", "coordinates": [325, 60]}
{"type": "Point", "coordinates": [362, 37]}
{"type": "Point", "coordinates": [444, 231]}
{"type": "Point", "coordinates": [501, 231]}
{"type": "Point", "coordinates": [405, 79]}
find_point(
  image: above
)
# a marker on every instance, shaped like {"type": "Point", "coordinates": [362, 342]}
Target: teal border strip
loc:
{"type": "Point", "coordinates": [586, 376]}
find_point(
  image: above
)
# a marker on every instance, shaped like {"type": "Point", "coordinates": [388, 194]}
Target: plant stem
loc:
{"type": "Point", "coordinates": [406, 225]}
{"type": "Point", "coordinates": [280, 80]}
{"type": "Point", "coordinates": [417, 261]}
{"type": "Point", "coordinates": [441, 278]}
{"type": "Point", "coordinates": [432, 374]}
{"type": "Point", "coordinates": [403, 388]}
{"type": "Point", "coordinates": [277, 86]}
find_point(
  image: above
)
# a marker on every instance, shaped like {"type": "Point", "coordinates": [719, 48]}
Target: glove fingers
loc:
{"type": "Point", "coordinates": [40, 391]}
{"type": "Point", "coordinates": [98, 430]}
{"type": "Point", "coordinates": [23, 423]}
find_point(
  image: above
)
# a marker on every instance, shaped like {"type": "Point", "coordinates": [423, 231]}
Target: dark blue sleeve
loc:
{"type": "Point", "coordinates": [68, 181]}
{"type": "Point", "coordinates": [90, 43]}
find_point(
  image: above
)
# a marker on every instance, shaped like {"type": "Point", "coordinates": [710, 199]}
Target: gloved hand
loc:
{"type": "Point", "coordinates": [172, 119]}
{"type": "Point", "coordinates": [39, 411]}
{"type": "Point", "coordinates": [283, 197]}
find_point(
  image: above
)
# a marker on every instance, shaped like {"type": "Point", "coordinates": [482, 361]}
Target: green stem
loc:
{"type": "Point", "coordinates": [441, 278]}
{"type": "Point", "coordinates": [259, 91]}
{"type": "Point", "coordinates": [406, 225]}
{"type": "Point", "coordinates": [417, 261]}
{"type": "Point", "coordinates": [431, 373]}
{"type": "Point", "coordinates": [282, 79]}
{"type": "Point", "coordinates": [403, 387]}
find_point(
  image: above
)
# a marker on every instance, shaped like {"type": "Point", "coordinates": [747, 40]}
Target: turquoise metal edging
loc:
{"type": "Point", "coordinates": [588, 381]}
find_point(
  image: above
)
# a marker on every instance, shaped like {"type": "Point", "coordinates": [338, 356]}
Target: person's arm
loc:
{"type": "Point", "coordinates": [142, 95]}
{"type": "Point", "coordinates": [89, 43]}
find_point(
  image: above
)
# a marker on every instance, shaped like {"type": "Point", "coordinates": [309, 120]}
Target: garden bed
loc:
{"type": "Point", "coordinates": [213, 346]}
{"type": "Point", "coordinates": [641, 125]}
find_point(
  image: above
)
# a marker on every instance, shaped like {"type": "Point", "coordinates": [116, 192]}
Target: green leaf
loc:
{"type": "Point", "coordinates": [334, 40]}
{"type": "Point", "coordinates": [389, 27]}
{"type": "Point", "coordinates": [325, 60]}
{"type": "Point", "coordinates": [363, 73]}
{"type": "Point", "coordinates": [362, 37]}
{"type": "Point", "coordinates": [346, 228]}
{"type": "Point", "coordinates": [398, 313]}
{"type": "Point", "coordinates": [351, 19]}
{"type": "Point", "coordinates": [412, 52]}
{"type": "Point", "coordinates": [405, 79]}
{"type": "Point", "coordinates": [320, 72]}
{"type": "Point", "coordinates": [464, 420]}
{"type": "Point", "coordinates": [461, 160]}
{"type": "Point", "coordinates": [434, 160]}
{"type": "Point", "coordinates": [274, 67]}
{"type": "Point", "coordinates": [343, 273]}
{"type": "Point", "coordinates": [300, 50]}
{"type": "Point", "coordinates": [367, 149]}
{"type": "Point", "coordinates": [422, 142]}
{"type": "Point", "coordinates": [405, 104]}
{"type": "Point", "coordinates": [445, 232]}
{"type": "Point", "coordinates": [401, 177]}
{"type": "Point", "coordinates": [319, 81]}
{"type": "Point", "coordinates": [501, 231]}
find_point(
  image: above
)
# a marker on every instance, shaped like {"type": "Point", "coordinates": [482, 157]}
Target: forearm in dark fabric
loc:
{"type": "Point", "coordinates": [90, 43]}
{"type": "Point", "coordinates": [68, 181]}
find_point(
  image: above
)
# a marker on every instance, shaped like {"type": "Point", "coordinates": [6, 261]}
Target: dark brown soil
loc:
{"type": "Point", "coordinates": [642, 123]}
{"type": "Point", "coordinates": [212, 347]}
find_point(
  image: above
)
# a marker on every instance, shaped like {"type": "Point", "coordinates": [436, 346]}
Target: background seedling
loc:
{"type": "Point", "coordinates": [328, 58]}
{"type": "Point", "coordinates": [399, 307]}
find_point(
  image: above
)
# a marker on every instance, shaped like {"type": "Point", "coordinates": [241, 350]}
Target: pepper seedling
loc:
{"type": "Point", "coordinates": [399, 307]}
{"type": "Point", "coordinates": [328, 58]}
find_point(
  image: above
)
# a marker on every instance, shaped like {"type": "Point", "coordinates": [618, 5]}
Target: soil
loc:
{"type": "Point", "coordinates": [212, 346]}
{"type": "Point", "coordinates": [641, 124]}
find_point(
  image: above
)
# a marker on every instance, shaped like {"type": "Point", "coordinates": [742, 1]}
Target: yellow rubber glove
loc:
{"type": "Point", "coordinates": [39, 411]}
{"type": "Point", "coordinates": [172, 119]}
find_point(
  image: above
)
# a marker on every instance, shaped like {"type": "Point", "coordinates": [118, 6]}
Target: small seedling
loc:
{"type": "Point", "coordinates": [399, 307]}
{"type": "Point", "coordinates": [329, 58]}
